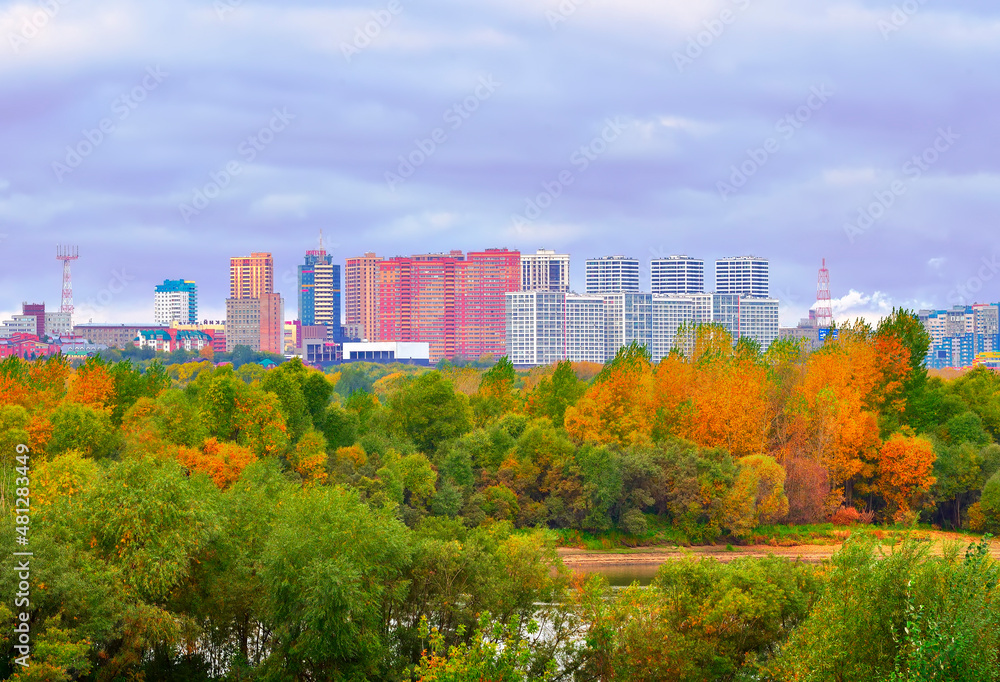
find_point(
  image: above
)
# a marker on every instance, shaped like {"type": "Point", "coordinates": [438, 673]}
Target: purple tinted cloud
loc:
{"type": "Point", "coordinates": [653, 189]}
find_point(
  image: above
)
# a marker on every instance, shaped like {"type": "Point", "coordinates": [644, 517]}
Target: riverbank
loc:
{"type": "Point", "coordinates": [590, 560]}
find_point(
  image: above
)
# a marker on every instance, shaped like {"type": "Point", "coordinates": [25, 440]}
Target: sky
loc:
{"type": "Point", "coordinates": [163, 137]}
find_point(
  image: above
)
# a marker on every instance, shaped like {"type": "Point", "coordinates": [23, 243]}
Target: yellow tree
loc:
{"type": "Point", "coordinates": [904, 470]}
{"type": "Point", "coordinates": [309, 459]}
{"type": "Point", "coordinates": [92, 385]}
{"type": "Point", "coordinates": [618, 407]}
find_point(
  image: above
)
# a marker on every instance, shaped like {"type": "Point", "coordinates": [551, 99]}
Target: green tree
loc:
{"type": "Point", "coordinates": [980, 390]}
{"type": "Point", "coordinates": [333, 570]}
{"type": "Point", "coordinates": [340, 426]}
{"type": "Point", "coordinates": [905, 326]}
{"type": "Point", "coordinates": [428, 411]}
{"type": "Point", "coordinates": [284, 382]}
{"type": "Point", "coordinates": [76, 426]}
{"type": "Point", "coordinates": [967, 428]}
{"type": "Point", "coordinates": [556, 393]}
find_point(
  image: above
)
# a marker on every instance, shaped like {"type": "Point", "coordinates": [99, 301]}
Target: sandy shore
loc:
{"type": "Point", "coordinates": [583, 559]}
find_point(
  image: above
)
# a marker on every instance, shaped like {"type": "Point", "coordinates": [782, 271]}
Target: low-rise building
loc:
{"type": "Point", "coordinates": [410, 352]}
{"type": "Point", "coordinates": [118, 336]}
{"type": "Point", "coordinates": [169, 340]}
{"type": "Point", "coordinates": [26, 347]}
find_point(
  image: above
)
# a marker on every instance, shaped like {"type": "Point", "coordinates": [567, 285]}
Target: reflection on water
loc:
{"type": "Point", "coordinates": [621, 575]}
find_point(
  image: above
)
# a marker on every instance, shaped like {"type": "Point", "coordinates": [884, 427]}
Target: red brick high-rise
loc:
{"type": "Point", "coordinates": [453, 302]}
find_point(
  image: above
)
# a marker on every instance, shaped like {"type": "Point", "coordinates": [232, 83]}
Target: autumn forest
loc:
{"type": "Point", "coordinates": [195, 521]}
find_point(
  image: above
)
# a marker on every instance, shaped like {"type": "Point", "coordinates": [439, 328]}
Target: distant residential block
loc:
{"type": "Point", "coordinates": [677, 275]}
{"type": "Point", "coordinates": [176, 300]}
{"type": "Point", "coordinates": [544, 327]}
{"type": "Point", "coordinates": [961, 335]}
{"type": "Point", "coordinates": [545, 270]}
{"type": "Point", "coordinates": [319, 291]}
{"type": "Point", "coordinates": [361, 296]}
{"type": "Point", "coordinates": [452, 301]}
{"type": "Point", "coordinates": [612, 274]}
{"type": "Point", "coordinates": [743, 275]}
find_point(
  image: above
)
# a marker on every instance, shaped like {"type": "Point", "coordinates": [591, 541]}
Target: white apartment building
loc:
{"type": "Point", "coordinates": [19, 324]}
{"type": "Point", "coordinates": [58, 324]}
{"type": "Point", "coordinates": [670, 313]}
{"type": "Point", "coordinates": [545, 270]}
{"type": "Point", "coordinates": [585, 329]}
{"type": "Point", "coordinates": [629, 317]}
{"type": "Point", "coordinates": [759, 320]}
{"type": "Point", "coordinates": [612, 274]}
{"type": "Point", "coordinates": [677, 275]}
{"type": "Point", "coordinates": [743, 275]}
{"type": "Point", "coordinates": [545, 327]}
{"type": "Point", "coordinates": [536, 327]}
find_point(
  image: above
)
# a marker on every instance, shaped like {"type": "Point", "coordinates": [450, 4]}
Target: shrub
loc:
{"type": "Point", "coordinates": [850, 516]}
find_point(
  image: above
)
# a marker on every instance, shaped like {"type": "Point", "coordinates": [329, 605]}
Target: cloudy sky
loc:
{"type": "Point", "coordinates": [163, 137]}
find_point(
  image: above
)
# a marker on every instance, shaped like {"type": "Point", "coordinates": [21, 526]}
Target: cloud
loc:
{"type": "Point", "coordinates": [654, 188]}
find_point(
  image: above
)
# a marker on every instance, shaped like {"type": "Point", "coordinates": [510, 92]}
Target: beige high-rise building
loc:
{"type": "Point", "coordinates": [251, 276]}
{"type": "Point", "coordinates": [361, 294]}
{"type": "Point", "coordinates": [254, 312]}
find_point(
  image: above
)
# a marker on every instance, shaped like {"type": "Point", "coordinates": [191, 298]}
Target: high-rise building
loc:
{"type": "Point", "coordinates": [416, 301]}
{"type": "Point", "coordinates": [482, 280]}
{"type": "Point", "coordinates": [759, 320]}
{"type": "Point", "coordinates": [544, 327]}
{"type": "Point", "coordinates": [272, 324]}
{"type": "Point", "coordinates": [361, 295]}
{"type": "Point", "coordinates": [544, 270]}
{"type": "Point", "coordinates": [452, 301]}
{"type": "Point", "coordinates": [254, 312]}
{"type": "Point", "coordinates": [612, 274]}
{"type": "Point", "coordinates": [319, 291]}
{"type": "Point", "coordinates": [176, 300]}
{"type": "Point", "coordinates": [748, 317]}
{"type": "Point", "coordinates": [677, 275]}
{"type": "Point", "coordinates": [251, 276]}
{"type": "Point", "coordinates": [536, 327]}
{"type": "Point", "coordinates": [242, 323]}
{"type": "Point", "coordinates": [628, 318]}
{"type": "Point", "coordinates": [585, 328]}
{"type": "Point", "coordinates": [743, 275]}
{"type": "Point", "coordinates": [670, 312]}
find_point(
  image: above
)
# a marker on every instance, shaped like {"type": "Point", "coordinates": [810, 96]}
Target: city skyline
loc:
{"type": "Point", "coordinates": [445, 126]}
{"type": "Point", "coordinates": [284, 281]}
